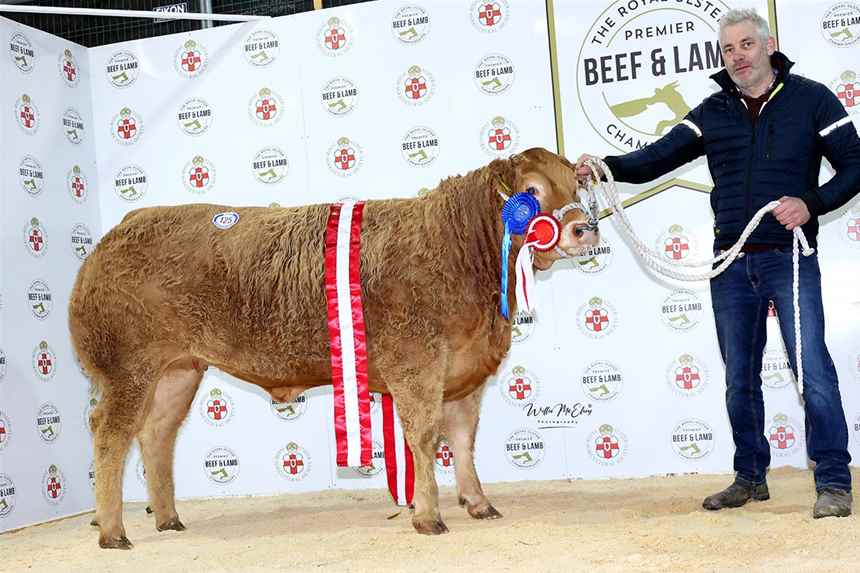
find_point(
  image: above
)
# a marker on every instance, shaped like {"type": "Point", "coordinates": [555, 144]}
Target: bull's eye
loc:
{"type": "Point", "coordinates": [579, 230]}
{"type": "Point", "coordinates": [531, 190]}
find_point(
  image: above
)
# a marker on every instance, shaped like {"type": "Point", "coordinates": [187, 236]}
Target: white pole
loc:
{"type": "Point", "coordinates": [129, 13]}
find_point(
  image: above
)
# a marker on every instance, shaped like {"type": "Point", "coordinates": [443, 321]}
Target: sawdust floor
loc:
{"type": "Point", "coordinates": [653, 524]}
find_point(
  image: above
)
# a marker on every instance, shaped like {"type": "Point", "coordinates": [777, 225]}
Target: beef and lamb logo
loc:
{"type": "Point", "coordinates": [682, 310]}
{"type": "Point", "coordinates": [270, 165]}
{"type": "Point", "coordinates": [266, 107]}
{"type": "Point", "coordinates": [221, 465]}
{"type": "Point", "coordinates": [130, 183]}
{"type": "Point", "coordinates": [126, 127]}
{"type": "Point", "coordinates": [607, 446]}
{"type": "Point", "coordinates": [69, 68]}
{"type": "Point", "coordinates": [5, 430]}
{"type": "Point", "coordinates": [597, 318]}
{"type": "Point", "coordinates": [48, 422]}
{"type": "Point", "coordinates": [499, 137]}
{"type": "Point", "coordinates": [7, 495]}
{"type": "Point", "coordinates": [602, 380]}
{"type": "Point", "coordinates": [31, 175]}
{"type": "Point", "coordinates": [494, 74]}
{"type": "Point", "coordinates": [22, 53]}
{"type": "Point", "coordinates": [344, 157]}
{"type": "Point", "coordinates": [36, 238]}
{"type": "Point", "coordinates": [692, 439]}
{"type": "Point", "coordinates": [292, 409]}
{"type": "Point", "coordinates": [39, 299]}
{"type": "Point", "coordinates": [53, 485]}
{"type": "Point", "coordinates": [190, 59]}
{"type": "Point", "coordinates": [122, 69]}
{"type": "Point", "coordinates": [775, 368]}
{"type": "Point", "coordinates": [293, 462]}
{"type": "Point", "coordinates": [595, 259]}
{"type": "Point", "coordinates": [198, 175]}
{"type": "Point", "coordinates": [784, 436]}
{"type": "Point", "coordinates": [194, 117]}
{"type": "Point", "coordinates": [44, 361]}
{"type": "Point", "coordinates": [335, 37]}
{"type": "Point", "coordinates": [339, 96]}
{"type": "Point", "coordinates": [415, 86]}
{"type": "Point", "coordinates": [73, 126]}
{"type": "Point", "coordinates": [522, 326]}
{"type": "Point", "coordinates": [216, 407]}
{"type": "Point", "coordinates": [27, 114]}
{"type": "Point", "coordinates": [262, 48]}
{"type": "Point", "coordinates": [641, 64]}
{"type": "Point", "coordinates": [525, 448]}
{"type": "Point", "coordinates": [377, 462]}
{"type": "Point", "coordinates": [81, 240]}
{"type": "Point", "coordinates": [420, 146]}
{"type": "Point", "coordinates": [410, 24]}
{"type": "Point", "coordinates": [76, 182]}
{"type": "Point", "coordinates": [489, 15]}
{"type": "Point", "coordinates": [840, 24]}
{"type": "Point", "coordinates": [687, 375]}
{"type": "Point", "coordinates": [519, 387]}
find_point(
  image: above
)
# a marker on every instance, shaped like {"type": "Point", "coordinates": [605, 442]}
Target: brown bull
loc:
{"type": "Point", "coordinates": [166, 293]}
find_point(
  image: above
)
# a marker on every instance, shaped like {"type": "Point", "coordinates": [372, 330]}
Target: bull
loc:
{"type": "Point", "coordinates": [166, 294]}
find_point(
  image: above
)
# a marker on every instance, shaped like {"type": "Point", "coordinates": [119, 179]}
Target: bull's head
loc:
{"type": "Point", "coordinates": [552, 180]}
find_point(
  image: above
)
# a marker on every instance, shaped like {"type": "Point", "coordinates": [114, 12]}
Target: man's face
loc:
{"type": "Point", "coordinates": [747, 58]}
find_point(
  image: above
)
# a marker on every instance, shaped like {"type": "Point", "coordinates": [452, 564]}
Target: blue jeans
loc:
{"type": "Point", "coordinates": [740, 297]}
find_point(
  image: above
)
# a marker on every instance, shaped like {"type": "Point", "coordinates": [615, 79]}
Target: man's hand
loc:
{"type": "Point", "coordinates": [583, 171]}
{"type": "Point", "coordinates": [792, 212]}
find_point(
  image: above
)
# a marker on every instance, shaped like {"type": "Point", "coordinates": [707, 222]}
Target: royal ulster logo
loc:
{"type": "Point", "coordinates": [847, 89]}
{"type": "Point", "coordinates": [216, 407]}
{"type": "Point", "coordinates": [488, 15]}
{"type": "Point", "coordinates": [520, 387]}
{"type": "Point", "coordinates": [293, 462]}
{"type": "Point", "coordinates": [444, 457]}
{"type": "Point", "coordinates": [76, 182]}
{"type": "Point", "coordinates": [69, 68]}
{"type": "Point", "coordinates": [27, 114]}
{"type": "Point", "coordinates": [53, 485]}
{"type": "Point", "coordinates": [415, 86]}
{"type": "Point", "coordinates": [344, 157]}
{"type": "Point", "coordinates": [687, 375]}
{"type": "Point", "coordinates": [36, 238]}
{"type": "Point", "coordinates": [5, 430]}
{"type": "Point", "coordinates": [597, 318]}
{"type": "Point", "coordinates": [850, 227]}
{"type": "Point", "coordinates": [126, 127]}
{"type": "Point", "coordinates": [784, 436]}
{"type": "Point", "coordinates": [44, 361]}
{"type": "Point", "coordinates": [607, 446]}
{"type": "Point", "coordinates": [199, 175]}
{"type": "Point", "coordinates": [190, 59]}
{"type": "Point", "coordinates": [335, 37]}
{"type": "Point", "coordinates": [499, 137]}
{"type": "Point", "coordinates": [266, 107]}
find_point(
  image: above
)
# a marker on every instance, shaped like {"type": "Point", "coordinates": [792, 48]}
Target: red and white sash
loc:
{"type": "Point", "coordinates": [399, 468]}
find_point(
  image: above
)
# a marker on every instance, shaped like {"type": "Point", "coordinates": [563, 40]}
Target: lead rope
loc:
{"type": "Point", "coordinates": [657, 263]}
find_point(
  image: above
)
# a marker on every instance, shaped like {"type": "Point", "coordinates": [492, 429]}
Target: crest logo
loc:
{"type": "Point", "coordinates": [221, 465]}
{"type": "Point", "coordinates": [775, 369]}
{"type": "Point", "coordinates": [847, 89]}
{"type": "Point", "coordinates": [27, 114]}
{"type": "Point", "coordinates": [39, 299]}
{"type": "Point", "coordinates": [194, 117]}
{"type": "Point", "coordinates": [784, 436]}
{"type": "Point", "coordinates": [48, 422]}
{"type": "Point", "coordinates": [687, 376]}
{"type": "Point", "coordinates": [494, 74]}
{"type": "Point", "coordinates": [410, 24]}
{"type": "Point", "coordinates": [7, 495]}
{"type": "Point", "coordinates": [36, 238]}
{"type": "Point", "coordinates": [378, 462]}
{"type": "Point", "coordinates": [199, 175]}
{"type": "Point", "coordinates": [520, 387]}
{"type": "Point", "coordinates": [266, 107]}
{"type": "Point", "coordinates": [44, 361]}
{"type": "Point", "coordinates": [191, 59]}
{"type": "Point", "coordinates": [490, 16]}
{"type": "Point", "coordinates": [595, 259]}
{"type": "Point", "coordinates": [522, 326]}
{"type": "Point", "coordinates": [73, 126]}
{"type": "Point", "coordinates": [602, 380]}
{"type": "Point", "coordinates": [81, 241]}
{"type": "Point", "coordinates": [69, 68]}
{"type": "Point", "coordinates": [420, 146]}
{"type": "Point", "coordinates": [290, 410]}
{"type": "Point", "coordinates": [692, 439]}
{"type": "Point", "coordinates": [130, 183]}
{"type": "Point", "coordinates": [415, 86]}
{"type": "Point", "coordinates": [597, 318]}
{"type": "Point", "coordinates": [293, 462]}
{"type": "Point", "coordinates": [525, 449]}
{"type": "Point", "coordinates": [53, 485]}
{"type": "Point", "coordinates": [851, 227]}
{"type": "Point", "coordinates": [675, 244]}
{"type": "Point", "coordinates": [270, 165]}
{"type": "Point", "coordinates": [636, 72]}
{"type": "Point", "coordinates": [5, 430]}
{"type": "Point", "coordinates": [344, 157]}
{"type": "Point", "coordinates": [122, 69]}
{"type": "Point", "coordinates": [262, 48]}
{"type": "Point", "coordinates": [335, 37]}
{"type": "Point", "coordinates": [77, 183]}
{"type": "Point", "coordinates": [127, 127]}
{"type": "Point", "coordinates": [31, 176]}
{"type": "Point", "coordinates": [444, 457]}
{"type": "Point", "coordinates": [840, 24]}
{"type": "Point", "coordinates": [607, 446]}
{"type": "Point", "coordinates": [681, 310]}
{"type": "Point", "coordinates": [216, 407]}
{"type": "Point", "coordinates": [499, 137]}
{"type": "Point", "coordinates": [22, 53]}
{"type": "Point", "coordinates": [339, 96]}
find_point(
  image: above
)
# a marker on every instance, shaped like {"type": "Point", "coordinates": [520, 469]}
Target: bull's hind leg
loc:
{"type": "Point", "coordinates": [461, 423]}
{"type": "Point", "coordinates": [173, 396]}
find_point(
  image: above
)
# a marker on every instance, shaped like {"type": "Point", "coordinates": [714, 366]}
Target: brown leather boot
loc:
{"type": "Point", "coordinates": [736, 495]}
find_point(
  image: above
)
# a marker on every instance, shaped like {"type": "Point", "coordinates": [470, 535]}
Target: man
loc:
{"type": "Point", "coordinates": [764, 135]}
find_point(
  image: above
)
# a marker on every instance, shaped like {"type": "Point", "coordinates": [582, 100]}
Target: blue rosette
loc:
{"type": "Point", "coordinates": [518, 210]}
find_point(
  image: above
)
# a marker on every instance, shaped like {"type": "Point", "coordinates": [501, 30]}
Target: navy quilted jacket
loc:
{"type": "Point", "coordinates": [752, 165]}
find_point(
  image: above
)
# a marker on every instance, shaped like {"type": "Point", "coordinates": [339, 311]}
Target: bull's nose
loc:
{"type": "Point", "coordinates": [588, 237]}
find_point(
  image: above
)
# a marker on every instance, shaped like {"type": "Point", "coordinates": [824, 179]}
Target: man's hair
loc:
{"type": "Point", "coordinates": [738, 15]}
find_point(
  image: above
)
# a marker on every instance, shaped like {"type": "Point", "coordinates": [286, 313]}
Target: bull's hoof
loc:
{"type": "Point", "coordinates": [172, 524]}
{"type": "Point", "coordinates": [430, 527]}
{"type": "Point", "coordinates": [484, 512]}
{"type": "Point", "coordinates": [148, 510]}
{"type": "Point", "coordinates": [115, 543]}
{"type": "Point", "coordinates": [95, 522]}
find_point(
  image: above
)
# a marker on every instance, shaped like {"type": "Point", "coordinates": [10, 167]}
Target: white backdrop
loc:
{"type": "Point", "coordinates": [230, 115]}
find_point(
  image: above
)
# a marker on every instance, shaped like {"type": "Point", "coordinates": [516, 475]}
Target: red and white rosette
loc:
{"type": "Point", "coordinates": [543, 234]}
